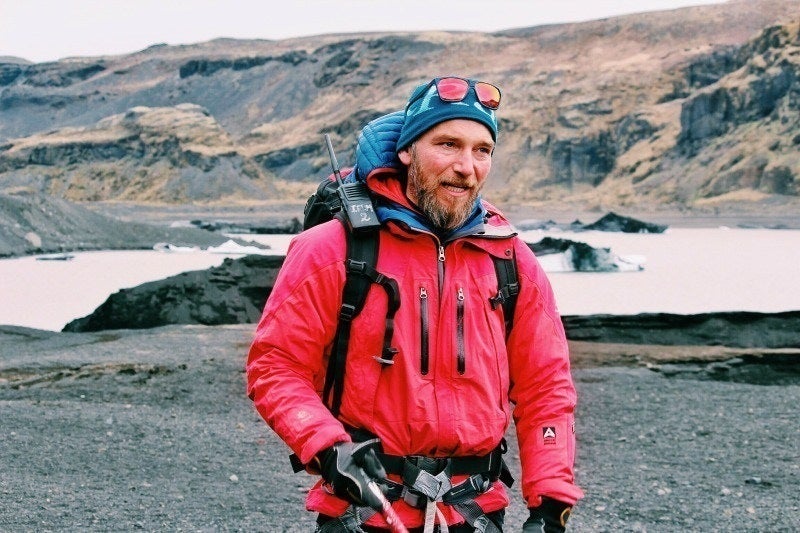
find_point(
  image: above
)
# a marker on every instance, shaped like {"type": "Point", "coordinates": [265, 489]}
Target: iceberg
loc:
{"type": "Point", "coordinates": [564, 255]}
{"type": "Point", "coordinates": [231, 247]}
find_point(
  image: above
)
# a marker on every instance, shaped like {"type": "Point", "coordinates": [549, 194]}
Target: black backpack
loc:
{"type": "Point", "coordinates": [362, 257]}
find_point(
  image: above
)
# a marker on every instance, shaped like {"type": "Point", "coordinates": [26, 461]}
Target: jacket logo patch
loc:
{"type": "Point", "coordinates": [549, 434]}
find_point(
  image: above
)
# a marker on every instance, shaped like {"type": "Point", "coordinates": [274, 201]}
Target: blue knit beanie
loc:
{"type": "Point", "coordinates": [425, 110]}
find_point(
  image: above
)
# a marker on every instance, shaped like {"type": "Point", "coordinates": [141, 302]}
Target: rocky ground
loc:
{"type": "Point", "coordinates": [151, 430]}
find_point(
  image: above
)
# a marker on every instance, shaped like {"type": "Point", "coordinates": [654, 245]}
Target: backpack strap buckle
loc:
{"type": "Point", "coordinates": [347, 312]}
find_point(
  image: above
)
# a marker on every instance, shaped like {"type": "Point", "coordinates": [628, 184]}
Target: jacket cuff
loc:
{"type": "Point", "coordinates": [556, 489]}
{"type": "Point", "coordinates": [321, 440]}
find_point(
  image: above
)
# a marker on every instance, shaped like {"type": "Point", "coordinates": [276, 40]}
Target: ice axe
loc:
{"type": "Point", "coordinates": [368, 462]}
{"type": "Point", "coordinates": [384, 507]}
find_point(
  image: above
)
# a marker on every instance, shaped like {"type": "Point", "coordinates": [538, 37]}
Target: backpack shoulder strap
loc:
{"type": "Point", "coordinates": [360, 263]}
{"type": "Point", "coordinates": [362, 257]}
{"type": "Point", "coordinates": [507, 288]}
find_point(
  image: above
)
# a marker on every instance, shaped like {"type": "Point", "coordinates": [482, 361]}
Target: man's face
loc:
{"type": "Point", "coordinates": [447, 167]}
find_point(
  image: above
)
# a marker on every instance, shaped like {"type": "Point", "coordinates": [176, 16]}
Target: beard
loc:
{"type": "Point", "coordinates": [444, 216]}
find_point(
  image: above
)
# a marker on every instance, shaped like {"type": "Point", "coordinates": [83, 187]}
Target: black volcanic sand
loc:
{"type": "Point", "coordinates": [151, 430]}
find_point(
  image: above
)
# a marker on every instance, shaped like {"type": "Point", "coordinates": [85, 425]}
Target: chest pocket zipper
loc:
{"type": "Point", "coordinates": [424, 341]}
{"type": "Point", "coordinates": [460, 345]}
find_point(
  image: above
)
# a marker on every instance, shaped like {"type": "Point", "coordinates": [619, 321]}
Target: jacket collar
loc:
{"type": "Point", "coordinates": [388, 185]}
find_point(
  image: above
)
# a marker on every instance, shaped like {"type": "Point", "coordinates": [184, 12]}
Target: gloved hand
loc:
{"type": "Point", "coordinates": [549, 517]}
{"type": "Point", "coordinates": [349, 467]}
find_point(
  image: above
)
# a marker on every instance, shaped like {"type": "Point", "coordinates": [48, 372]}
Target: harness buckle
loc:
{"type": "Point", "coordinates": [431, 465]}
{"type": "Point", "coordinates": [469, 488]}
{"type": "Point", "coordinates": [432, 487]}
{"type": "Point", "coordinates": [414, 499]}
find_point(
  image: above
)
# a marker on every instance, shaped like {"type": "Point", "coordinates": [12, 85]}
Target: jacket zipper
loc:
{"type": "Point", "coordinates": [423, 318]}
{"type": "Point", "coordinates": [460, 347]}
{"type": "Point", "coordinates": [440, 265]}
{"type": "Point", "coordinates": [423, 314]}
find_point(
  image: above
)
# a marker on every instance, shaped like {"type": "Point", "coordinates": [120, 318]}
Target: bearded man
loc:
{"type": "Point", "coordinates": [428, 425]}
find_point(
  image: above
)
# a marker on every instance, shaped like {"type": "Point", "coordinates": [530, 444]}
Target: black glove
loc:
{"type": "Point", "coordinates": [349, 467]}
{"type": "Point", "coordinates": [550, 517]}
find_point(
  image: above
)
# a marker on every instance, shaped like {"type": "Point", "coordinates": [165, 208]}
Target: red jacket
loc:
{"type": "Point", "coordinates": [448, 411]}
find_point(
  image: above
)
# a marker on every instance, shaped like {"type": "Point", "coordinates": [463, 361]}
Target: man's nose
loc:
{"type": "Point", "coordinates": [464, 162]}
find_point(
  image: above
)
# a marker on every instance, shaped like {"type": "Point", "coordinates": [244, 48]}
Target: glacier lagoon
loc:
{"type": "Point", "coordinates": [686, 271]}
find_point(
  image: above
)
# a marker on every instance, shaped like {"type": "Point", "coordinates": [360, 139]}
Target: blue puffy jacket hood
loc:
{"type": "Point", "coordinates": [376, 144]}
{"type": "Point", "coordinates": [376, 151]}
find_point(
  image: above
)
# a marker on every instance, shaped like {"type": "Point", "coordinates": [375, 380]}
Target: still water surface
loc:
{"type": "Point", "coordinates": [686, 271]}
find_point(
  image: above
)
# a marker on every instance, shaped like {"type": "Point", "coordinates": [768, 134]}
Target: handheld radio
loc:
{"type": "Point", "coordinates": [354, 197]}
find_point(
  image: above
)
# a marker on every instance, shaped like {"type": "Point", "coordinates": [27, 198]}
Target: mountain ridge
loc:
{"type": "Point", "coordinates": [691, 108]}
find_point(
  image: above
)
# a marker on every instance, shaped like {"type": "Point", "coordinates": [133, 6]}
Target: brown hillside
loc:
{"type": "Point", "coordinates": [692, 107]}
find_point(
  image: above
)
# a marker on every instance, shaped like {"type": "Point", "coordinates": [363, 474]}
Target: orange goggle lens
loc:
{"type": "Point", "coordinates": [488, 94]}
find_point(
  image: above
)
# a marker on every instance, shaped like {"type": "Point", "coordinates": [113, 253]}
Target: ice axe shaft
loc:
{"type": "Point", "coordinates": [386, 510]}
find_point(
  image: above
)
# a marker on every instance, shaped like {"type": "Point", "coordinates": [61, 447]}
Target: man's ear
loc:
{"type": "Point", "coordinates": [405, 156]}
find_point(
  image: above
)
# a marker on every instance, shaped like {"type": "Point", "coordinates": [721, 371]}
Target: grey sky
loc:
{"type": "Point", "coordinates": [46, 30]}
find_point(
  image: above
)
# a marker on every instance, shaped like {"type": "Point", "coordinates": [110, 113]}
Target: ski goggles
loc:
{"type": "Point", "coordinates": [452, 89]}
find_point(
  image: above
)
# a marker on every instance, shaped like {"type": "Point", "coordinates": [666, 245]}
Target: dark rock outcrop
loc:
{"type": "Point", "coordinates": [611, 221]}
{"type": "Point", "coordinates": [614, 222]}
{"type": "Point", "coordinates": [50, 75]}
{"type": "Point", "coordinates": [286, 156]}
{"type": "Point", "coordinates": [174, 154]}
{"type": "Point", "coordinates": [233, 293]}
{"type": "Point", "coordinates": [631, 129]}
{"type": "Point", "coordinates": [585, 159]}
{"type": "Point", "coordinates": [768, 75]}
{"type": "Point", "coordinates": [705, 70]}
{"type": "Point", "coordinates": [736, 135]}
{"type": "Point", "coordinates": [715, 112]}
{"type": "Point", "coordinates": [735, 329]}
{"type": "Point", "coordinates": [279, 227]}
{"type": "Point", "coordinates": [9, 72]}
{"type": "Point", "coordinates": [207, 67]}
